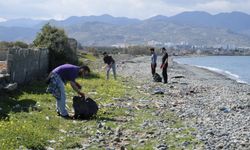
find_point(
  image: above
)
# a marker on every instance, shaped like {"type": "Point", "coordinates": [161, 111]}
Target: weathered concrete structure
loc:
{"type": "Point", "coordinates": [25, 65]}
{"type": "Point", "coordinates": [3, 55]}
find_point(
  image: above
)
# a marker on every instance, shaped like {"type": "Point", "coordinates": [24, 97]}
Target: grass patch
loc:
{"type": "Point", "coordinates": [28, 118]}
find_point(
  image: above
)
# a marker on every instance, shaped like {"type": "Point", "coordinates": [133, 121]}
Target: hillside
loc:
{"type": "Point", "coordinates": [195, 28]}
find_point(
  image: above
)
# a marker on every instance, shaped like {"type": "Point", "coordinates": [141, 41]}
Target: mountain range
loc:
{"type": "Point", "coordinates": [195, 28]}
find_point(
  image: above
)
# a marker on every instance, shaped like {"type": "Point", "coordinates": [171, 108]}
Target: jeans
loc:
{"type": "Point", "coordinates": [153, 67]}
{"type": "Point", "coordinates": [113, 67]}
{"type": "Point", "coordinates": [165, 74]}
{"type": "Point", "coordinates": [57, 89]}
{"type": "Point", "coordinates": [61, 103]}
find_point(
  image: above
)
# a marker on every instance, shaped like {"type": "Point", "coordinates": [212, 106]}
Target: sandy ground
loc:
{"type": "Point", "coordinates": [3, 65]}
{"type": "Point", "coordinates": [217, 107]}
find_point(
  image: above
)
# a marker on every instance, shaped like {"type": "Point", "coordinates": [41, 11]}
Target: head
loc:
{"type": "Point", "coordinates": [152, 50]}
{"type": "Point", "coordinates": [163, 50]}
{"type": "Point", "coordinates": [105, 54]}
{"type": "Point", "coordinates": [84, 71]}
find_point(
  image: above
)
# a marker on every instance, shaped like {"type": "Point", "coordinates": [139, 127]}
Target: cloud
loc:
{"type": "Point", "coordinates": [2, 19]}
{"type": "Point", "coordinates": [61, 9]}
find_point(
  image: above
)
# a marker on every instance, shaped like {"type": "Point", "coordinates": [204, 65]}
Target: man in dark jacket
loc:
{"type": "Point", "coordinates": [164, 65]}
{"type": "Point", "coordinates": [58, 78]}
{"type": "Point", "coordinates": [110, 64]}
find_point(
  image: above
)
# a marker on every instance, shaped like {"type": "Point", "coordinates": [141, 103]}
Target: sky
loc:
{"type": "Point", "coordinates": [141, 9]}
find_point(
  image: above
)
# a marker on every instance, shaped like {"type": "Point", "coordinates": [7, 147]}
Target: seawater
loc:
{"type": "Point", "coordinates": [234, 67]}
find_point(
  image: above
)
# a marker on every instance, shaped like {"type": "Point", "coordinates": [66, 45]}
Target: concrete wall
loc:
{"type": "Point", "coordinates": [25, 65]}
{"type": "Point", "coordinates": [3, 55]}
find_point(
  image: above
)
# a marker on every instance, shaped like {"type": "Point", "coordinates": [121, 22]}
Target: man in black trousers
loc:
{"type": "Point", "coordinates": [164, 65]}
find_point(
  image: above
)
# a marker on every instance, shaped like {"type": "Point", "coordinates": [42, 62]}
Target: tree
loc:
{"type": "Point", "coordinates": [56, 41]}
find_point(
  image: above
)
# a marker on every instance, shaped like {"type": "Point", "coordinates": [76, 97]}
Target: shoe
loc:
{"type": "Point", "coordinates": [58, 113]}
{"type": "Point", "coordinates": [67, 117]}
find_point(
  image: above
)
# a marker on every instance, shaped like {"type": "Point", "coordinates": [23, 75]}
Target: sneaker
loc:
{"type": "Point", "coordinates": [67, 117]}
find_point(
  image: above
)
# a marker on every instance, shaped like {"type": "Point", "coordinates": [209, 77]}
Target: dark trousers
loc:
{"type": "Point", "coordinates": [153, 67]}
{"type": "Point", "coordinates": [165, 74]}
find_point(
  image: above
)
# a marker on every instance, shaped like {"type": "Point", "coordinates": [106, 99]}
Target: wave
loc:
{"type": "Point", "coordinates": [223, 72]}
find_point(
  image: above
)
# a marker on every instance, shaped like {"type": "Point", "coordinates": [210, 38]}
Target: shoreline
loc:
{"type": "Point", "coordinates": [216, 70]}
{"type": "Point", "coordinates": [217, 73]}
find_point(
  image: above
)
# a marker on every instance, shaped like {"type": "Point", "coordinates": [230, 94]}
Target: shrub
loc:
{"type": "Point", "coordinates": [57, 43]}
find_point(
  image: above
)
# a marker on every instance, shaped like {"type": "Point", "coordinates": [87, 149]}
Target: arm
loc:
{"type": "Point", "coordinates": [164, 61]}
{"type": "Point", "coordinates": [76, 87]}
{"type": "Point", "coordinates": [48, 78]}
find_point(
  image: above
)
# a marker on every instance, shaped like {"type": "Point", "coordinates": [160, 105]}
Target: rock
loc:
{"type": "Point", "coordinates": [186, 143]}
{"type": "Point", "coordinates": [92, 93]}
{"type": "Point", "coordinates": [142, 141]}
{"type": "Point", "coordinates": [17, 106]}
{"type": "Point", "coordinates": [110, 133]}
{"type": "Point", "coordinates": [162, 147]}
{"type": "Point", "coordinates": [122, 148]}
{"type": "Point", "coordinates": [85, 146]}
{"type": "Point", "coordinates": [225, 110]}
{"type": "Point", "coordinates": [220, 146]}
{"type": "Point", "coordinates": [150, 132]}
{"type": "Point", "coordinates": [49, 148]}
{"type": "Point", "coordinates": [118, 131]}
{"type": "Point", "coordinates": [63, 131]}
{"type": "Point", "coordinates": [178, 77]}
{"type": "Point", "coordinates": [117, 139]}
{"type": "Point", "coordinates": [11, 87]}
{"type": "Point", "coordinates": [144, 124]}
{"type": "Point", "coordinates": [158, 91]}
{"type": "Point", "coordinates": [51, 141]}
{"type": "Point", "coordinates": [99, 125]}
{"type": "Point", "coordinates": [107, 128]}
{"type": "Point", "coordinates": [47, 117]}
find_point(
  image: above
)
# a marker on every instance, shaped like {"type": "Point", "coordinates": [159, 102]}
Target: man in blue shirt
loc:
{"type": "Point", "coordinates": [58, 78]}
{"type": "Point", "coordinates": [153, 61]}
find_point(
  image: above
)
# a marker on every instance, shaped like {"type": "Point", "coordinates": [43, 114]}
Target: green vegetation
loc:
{"type": "Point", "coordinates": [132, 50]}
{"type": "Point", "coordinates": [28, 118]}
{"type": "Point", "coordinates": [20, 44]}
{"type": "Point", "coordinates": [57, 42]}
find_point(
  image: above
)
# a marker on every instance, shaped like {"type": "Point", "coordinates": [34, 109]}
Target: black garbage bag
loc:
{"type": "Point", "coordinates": [157, 78]}
{"type": "Point", "coordinates": [84, 108]}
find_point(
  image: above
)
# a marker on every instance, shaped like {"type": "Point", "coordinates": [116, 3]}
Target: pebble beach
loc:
{"type": "Point", "coordinates": [216, 106]}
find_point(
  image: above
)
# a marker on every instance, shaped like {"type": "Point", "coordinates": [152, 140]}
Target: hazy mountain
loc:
{"type": "Point", "coordinates": [161, 31]}
{"type": "Point", "coordinates": [103, 18]}
{"type": "Point", "coordinates": [235, 21]}
{"type": "Point", "coordinates": [17, 34]}
{"type": "Point", "coordinates": [198, 28]}
{"type": "Point", "coordinates": [23, 22]}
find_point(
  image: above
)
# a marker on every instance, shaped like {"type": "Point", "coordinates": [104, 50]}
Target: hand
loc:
{"type": "Point", "coordinates": [81, 94]}
{"type": "Point", "coordinates": [79, 86]}
{"type": "Point", "coordinates": [161, 66]}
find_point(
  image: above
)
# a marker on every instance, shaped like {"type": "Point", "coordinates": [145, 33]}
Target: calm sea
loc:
{"type": "Point", "coordinates": [235, 67]}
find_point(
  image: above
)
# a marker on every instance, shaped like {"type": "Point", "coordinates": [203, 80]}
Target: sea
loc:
{"type": "Point", "coordinates": [234, 67]}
